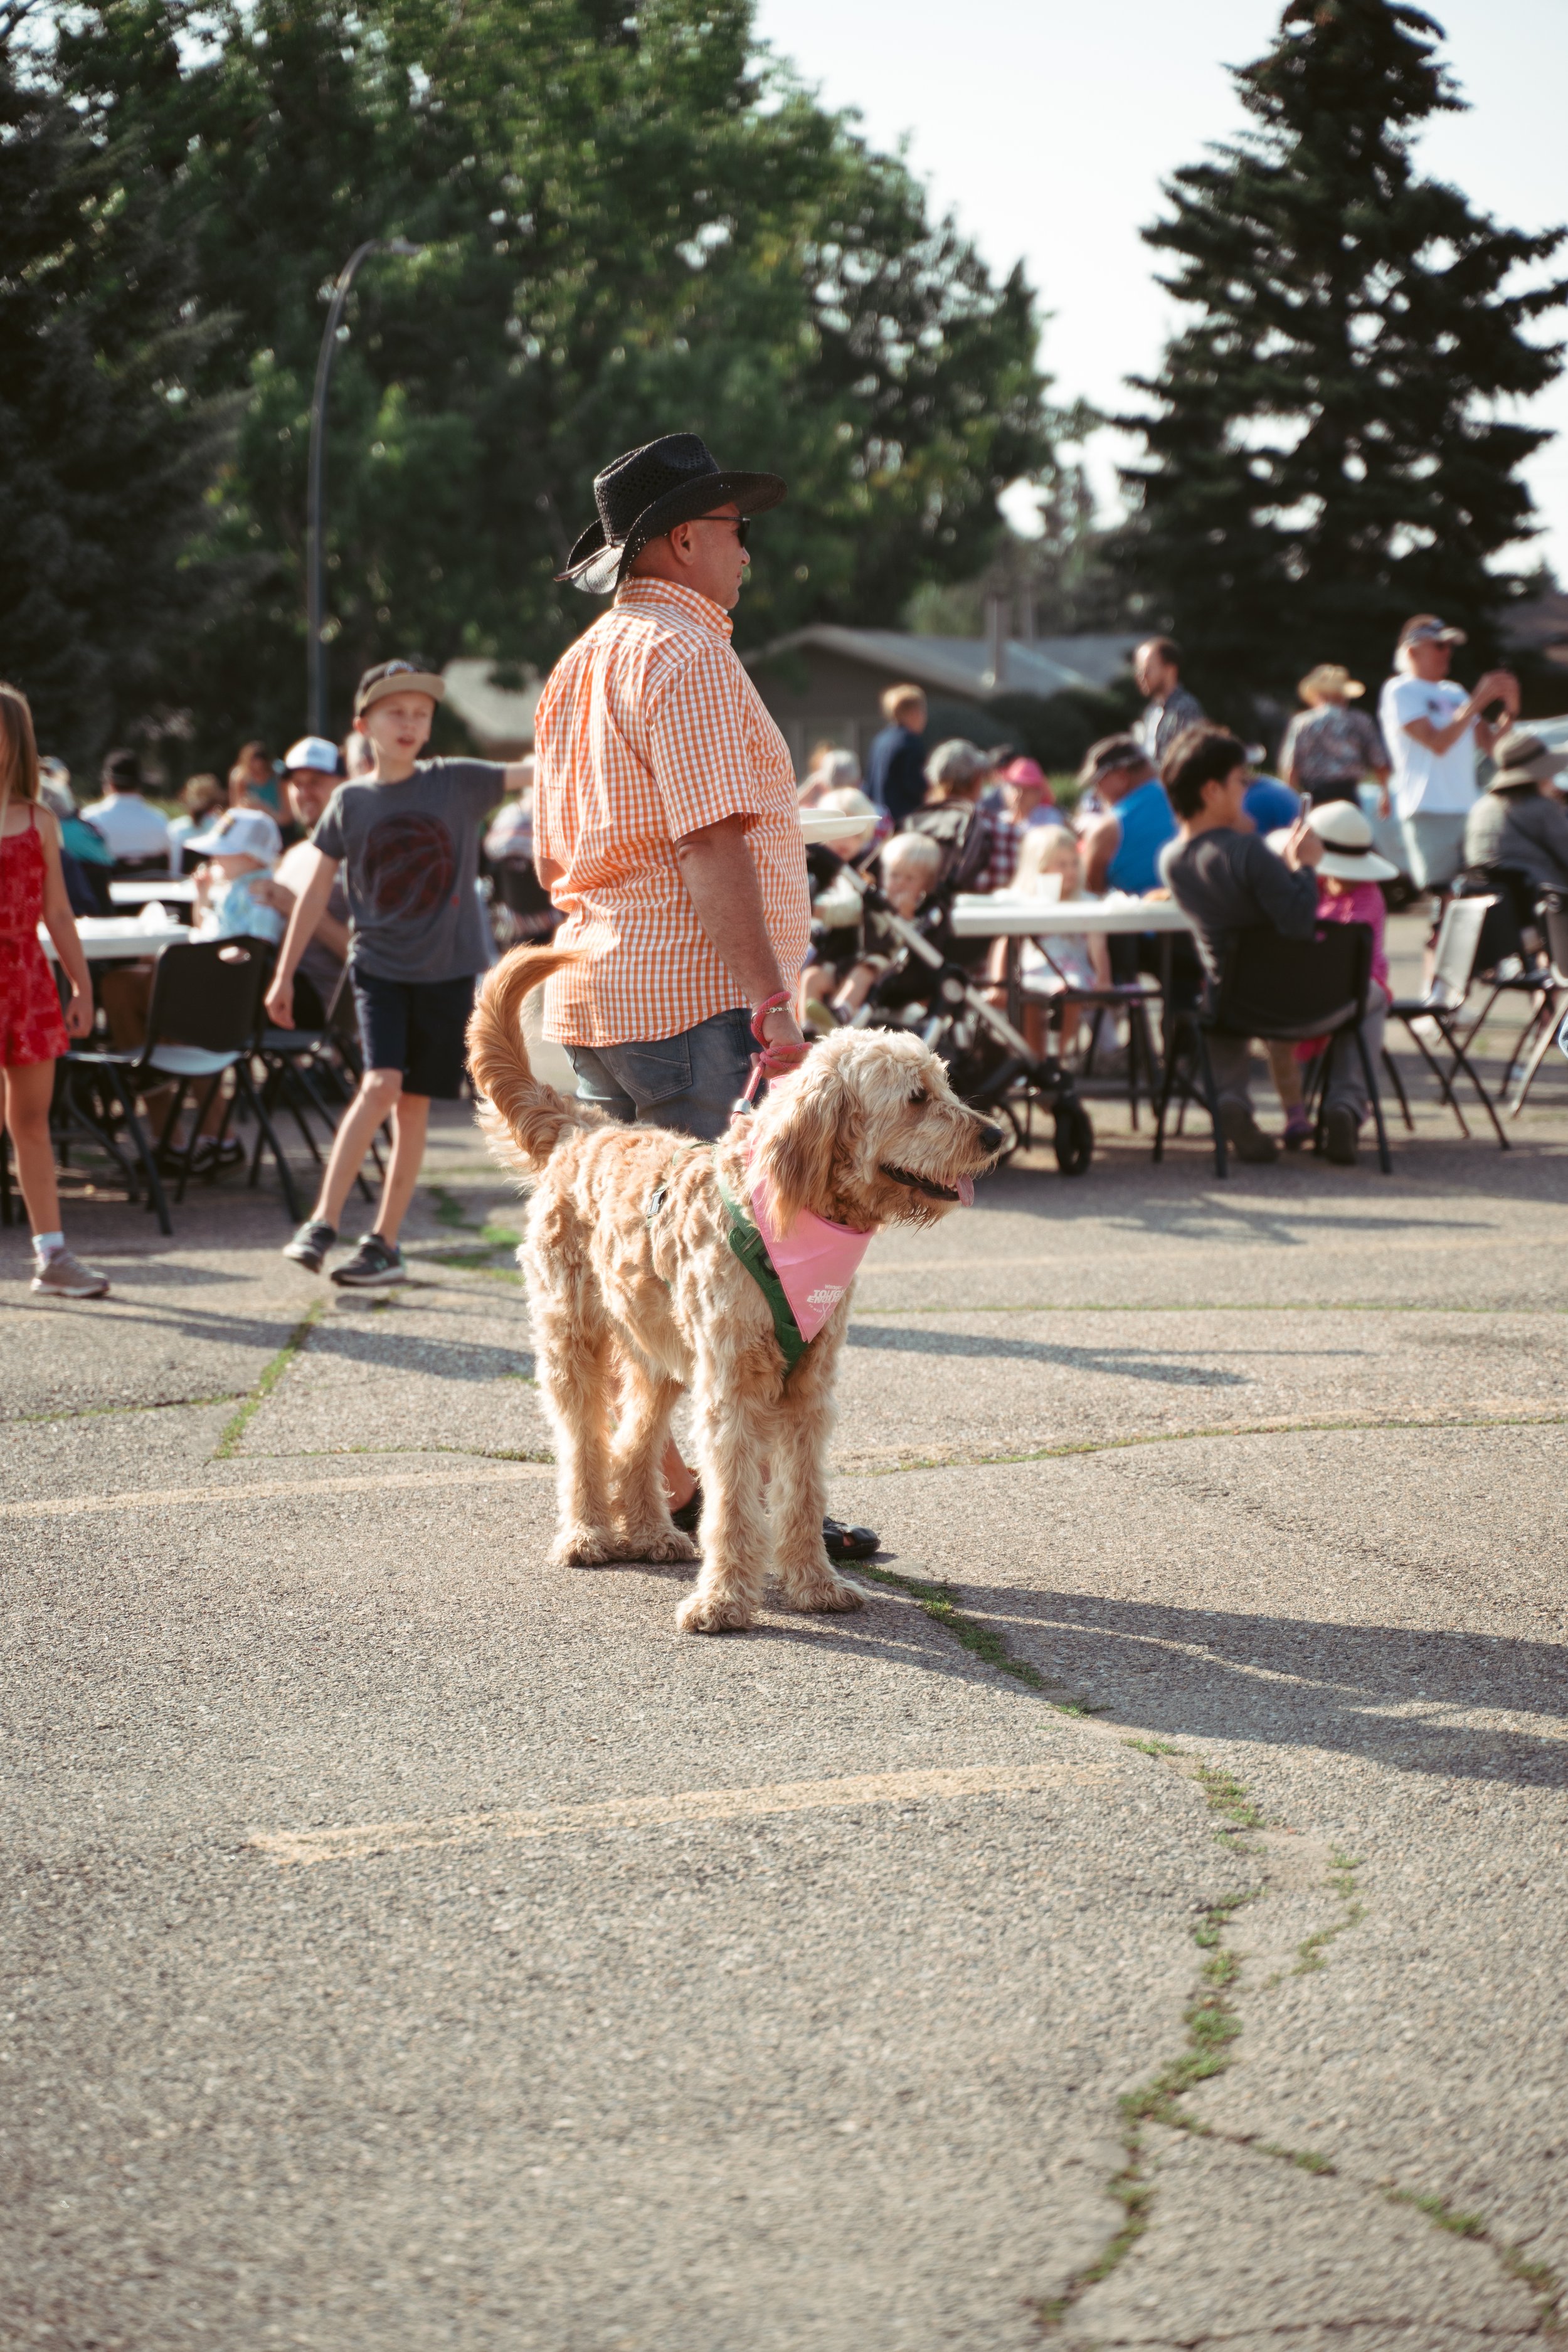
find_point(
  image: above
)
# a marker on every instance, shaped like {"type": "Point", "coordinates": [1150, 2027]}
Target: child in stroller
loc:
{"type": "Point", "coordinates": [918, 975]}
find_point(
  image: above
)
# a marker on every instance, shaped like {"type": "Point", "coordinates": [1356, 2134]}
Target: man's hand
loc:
{"type": "Point", "coordinates": [783, 1043]}
{"type": "Point", "coordinates": [278, 1002]}
{"type": "Point", "coordinates": [1497, 686]}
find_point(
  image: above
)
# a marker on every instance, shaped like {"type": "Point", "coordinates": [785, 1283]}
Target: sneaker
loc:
{"type": "Point", "coordinates": [64, 1276]}
{"type": "Point", "coordinates": [309, 1245]}
{"type": "Point", "coordinates": [839, 1541]}
{"type": "Point", "coordinates": [1245, 1137]}
{"type": "Point", "coordinates": [1341, 1129]}
{"type": "Point", "coordinates": [375, 1265]}
{"type": "Point", "coordinates": [1297, 1129]}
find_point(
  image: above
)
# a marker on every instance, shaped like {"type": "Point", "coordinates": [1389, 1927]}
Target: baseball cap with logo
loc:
{"type": "Point", "coordinates": [1426, 629]}
{"type": "Point", "coordinates": [316, 752]}
{"type": "Point", "coordinates": [397, 678]}
{"type": "Point", "coordinates": [239, 833]}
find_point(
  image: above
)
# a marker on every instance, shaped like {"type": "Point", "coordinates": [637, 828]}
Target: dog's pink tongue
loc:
{"type": "Point", "coordinates": [966, 1190]}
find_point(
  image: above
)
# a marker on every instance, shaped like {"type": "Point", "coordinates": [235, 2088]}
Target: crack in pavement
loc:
{"type": "Point", "coordinates": [1213, 2022]}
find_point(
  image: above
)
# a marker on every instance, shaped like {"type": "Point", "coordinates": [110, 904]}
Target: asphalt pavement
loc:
{"type": "Point", "coordinates": [1144, 1925]}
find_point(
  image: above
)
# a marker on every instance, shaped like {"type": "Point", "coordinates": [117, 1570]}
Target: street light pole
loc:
{"type": "Point", "coordinates": [315, 519]}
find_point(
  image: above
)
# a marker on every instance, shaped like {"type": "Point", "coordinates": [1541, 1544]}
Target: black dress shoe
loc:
{"type": "Point", "coordinates": [849, 1543]}
{"type": "Point", "coordinates": [839, 1541]}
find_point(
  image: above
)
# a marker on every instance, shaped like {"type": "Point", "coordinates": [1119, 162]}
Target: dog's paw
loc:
{"type": "Point", "coordinates": [821, 1589]}
{"type": "Point", "coordinates": [713, 1613]}
{"type": "Point", "coordinates": [584, 1547]}
{"type": "Point", "coordinates": [657, 1545]}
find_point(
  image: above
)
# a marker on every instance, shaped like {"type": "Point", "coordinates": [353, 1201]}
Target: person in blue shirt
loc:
{"type": "Point", "coordinates": [1122, 846]}
{"type": "Point", "coordinates": [895, 764]}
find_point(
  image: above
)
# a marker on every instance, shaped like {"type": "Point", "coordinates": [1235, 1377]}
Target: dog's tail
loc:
{"type": "Point", "coordinates": [523, 1118]}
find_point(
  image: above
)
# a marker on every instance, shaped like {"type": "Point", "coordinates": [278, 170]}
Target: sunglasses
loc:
{"type": "Point", "coordinates": [739, 524]}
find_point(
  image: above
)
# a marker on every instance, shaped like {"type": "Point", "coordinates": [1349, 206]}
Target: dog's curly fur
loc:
{"type": "Point", "coordinates": [628, 1311]}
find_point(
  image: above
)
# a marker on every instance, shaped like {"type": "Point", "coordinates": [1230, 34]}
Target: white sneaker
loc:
{"type": "Point", "coordinates": [65, 1276]}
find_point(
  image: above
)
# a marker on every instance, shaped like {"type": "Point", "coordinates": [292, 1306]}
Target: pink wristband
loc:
{"type": "Point", "coordinates": [769, 1004]}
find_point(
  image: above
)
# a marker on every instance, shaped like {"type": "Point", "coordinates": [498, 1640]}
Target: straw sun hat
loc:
{"type": "Point", "coordinates": [1330, 677]}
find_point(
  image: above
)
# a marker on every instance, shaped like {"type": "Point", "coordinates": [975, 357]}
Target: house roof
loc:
{"type": "Point", "coordinates": [962, 665]}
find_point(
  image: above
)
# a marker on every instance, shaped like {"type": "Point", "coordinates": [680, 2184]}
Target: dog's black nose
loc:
{"type": "Point", "coordinates": [991, 1139]}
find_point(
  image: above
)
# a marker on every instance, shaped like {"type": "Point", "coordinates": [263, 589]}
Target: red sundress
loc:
{"type": "Point", "coordinates": [31, 1027]}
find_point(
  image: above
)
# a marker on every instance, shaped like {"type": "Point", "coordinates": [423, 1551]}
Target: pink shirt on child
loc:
{"type": "Point", "coordinates": [1362, 903]}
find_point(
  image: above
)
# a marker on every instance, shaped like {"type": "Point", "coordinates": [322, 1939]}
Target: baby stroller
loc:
{"type": "Point", "coordinates": [930, 987]}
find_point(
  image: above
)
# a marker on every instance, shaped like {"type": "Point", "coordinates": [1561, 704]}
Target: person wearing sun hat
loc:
{"type": "Point", "coordinates": [1519, 821]}
{"type": "Point", "coordinates": [665, 821]}
{"type": "Point", "coordinates": [1349, 874]}
{"type": "Point", "coordinates": [1328, 747]}
{"type": "Point", "coordinates": [1435, 733]}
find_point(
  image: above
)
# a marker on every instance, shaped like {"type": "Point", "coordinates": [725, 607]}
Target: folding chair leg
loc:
{"type": "Point", "coordinates": [1392, 1066]}
{"type": "Point", "coordinates": [1211, 1104]}
{"type": "Point", "coordinates": [156, 1199]}
{"type": "Point", "coordinates": [1385, 1157]}
{"type": "Point", "coordinates": [1162, 1100]}
{"type": "Point", "coordinates": [1464, 1063]}
{"type": "Point", "coordinates": [1449, 1096]}
{"type": "Point", "coordinates": [1543, 1047]}
{"type": "Point", "coordinates": [269, 1135]}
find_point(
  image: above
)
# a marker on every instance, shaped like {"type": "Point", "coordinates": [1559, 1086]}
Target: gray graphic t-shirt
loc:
{"type": "Point", "coordinates": [411, 857]}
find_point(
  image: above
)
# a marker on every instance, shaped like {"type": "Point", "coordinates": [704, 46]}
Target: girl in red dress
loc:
{"type": "Point", "coordinates": [33, 1034]}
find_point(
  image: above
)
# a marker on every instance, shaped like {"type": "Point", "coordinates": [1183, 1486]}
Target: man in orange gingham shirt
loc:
{"type": "Point", "coordinates": [665, 824]}
{"type": "Point", "coordinates": [665, 819]}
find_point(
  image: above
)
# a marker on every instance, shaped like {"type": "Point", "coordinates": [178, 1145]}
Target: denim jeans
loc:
{"type": "Point", "coordinates": [691, 1082]}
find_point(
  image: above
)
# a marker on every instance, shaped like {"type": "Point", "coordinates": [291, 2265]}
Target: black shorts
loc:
{"type": "Point", "coordinates": [416, 1027]}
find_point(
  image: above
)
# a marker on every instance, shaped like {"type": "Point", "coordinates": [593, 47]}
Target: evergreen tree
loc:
{"type": "Point", "coordinates": [106, 449]}
{"type": "Point", "coordinates": [1325, 455]}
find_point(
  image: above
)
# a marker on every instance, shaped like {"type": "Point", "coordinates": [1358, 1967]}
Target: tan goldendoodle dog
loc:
{"type": "Point", "coordinates": [637, 1291]}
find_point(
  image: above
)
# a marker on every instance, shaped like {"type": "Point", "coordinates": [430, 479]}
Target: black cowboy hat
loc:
{"type": "Point", "coordinates": [649, 491]}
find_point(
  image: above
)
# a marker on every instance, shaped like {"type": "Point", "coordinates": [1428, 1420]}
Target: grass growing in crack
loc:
{"type": "Point", "coordinates": [234, 1429]}
{"type": "Point", "coordinates": [1438, 2209]}
{"type": "Point", "coordinates": [1212, 2025]}
{"type": "Point", "coordinates": [1343, 1868]}
{"type": "Point", "coordinates": [450, 1213]}
{"type": "Point", "coordinates": [1227, 1797]}
{"type": "Point", "coordinates": [940, 1603]}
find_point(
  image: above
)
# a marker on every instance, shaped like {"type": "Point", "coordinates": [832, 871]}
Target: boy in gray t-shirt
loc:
{"type": "Point", "coordinates": [407, 838]}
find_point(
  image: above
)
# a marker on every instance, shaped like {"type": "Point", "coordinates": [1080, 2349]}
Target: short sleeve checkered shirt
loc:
{"type": "Point", "coordinates": [648, 729]}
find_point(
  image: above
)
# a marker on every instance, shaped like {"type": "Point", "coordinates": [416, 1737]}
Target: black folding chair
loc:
{"type": "Point", "coordinates": [1133, 998]}
{"type": "Point", "coordinates": [200, 1021]}
{"type": "Point", "coordinates": [1294, 990]}
{"type": "Point", "coordinates": [306, 1068]}
{"type": "Point", "coordinates": [1459, 944]}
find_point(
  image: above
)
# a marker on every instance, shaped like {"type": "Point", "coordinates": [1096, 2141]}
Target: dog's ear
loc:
{"type": "Point", "coordinates": [794, 1157]}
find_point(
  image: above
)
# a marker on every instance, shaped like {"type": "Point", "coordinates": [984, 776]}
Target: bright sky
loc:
{"type": "Point", "coordinates": [1047, 128]}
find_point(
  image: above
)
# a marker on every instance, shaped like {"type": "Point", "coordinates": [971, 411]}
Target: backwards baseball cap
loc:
{"type": "Point", "coordinates": [1426, 629]}
{"type": "Point", "coordinates": [397, 678]}
{"type": "Point", "coordinates": [1111, 752]}
{"type": "Point", "coordinates": [313, 752]}
{"type": "Point", "coordinates": [239, 833]}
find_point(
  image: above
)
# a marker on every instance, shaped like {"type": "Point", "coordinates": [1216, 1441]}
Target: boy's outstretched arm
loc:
{"type": "Point", "coordinates": [308, 907]}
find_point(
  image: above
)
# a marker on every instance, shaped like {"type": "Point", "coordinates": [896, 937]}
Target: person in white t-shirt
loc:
{"type": "Point", "coordinates": [131, 827]}
{"type": "Point", "coordinates": [1434, 731]}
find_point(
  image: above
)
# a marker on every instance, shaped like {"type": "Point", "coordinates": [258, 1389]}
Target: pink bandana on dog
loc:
{"type": "Point", "coordinates": [815, 1261]}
